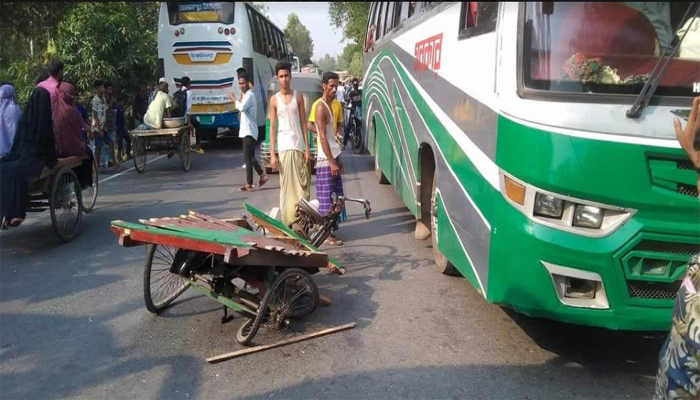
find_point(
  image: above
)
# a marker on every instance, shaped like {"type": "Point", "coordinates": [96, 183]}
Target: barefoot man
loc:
{"type": "Point", "coordinates": [287, 135]}
{"type": "Point", "coordinates": [329, 167]}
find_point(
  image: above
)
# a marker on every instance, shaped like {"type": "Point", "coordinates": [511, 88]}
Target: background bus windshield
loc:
{"type": "Point", "coordinates": [189, 12]}
{"type": "Point", "coordinates": [608, 47]}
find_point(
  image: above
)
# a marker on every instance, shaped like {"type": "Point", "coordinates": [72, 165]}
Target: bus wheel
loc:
{"type": "Point", "coordinates": [442, 263]}
{"type": "Point", "coordinates": [381, 178]}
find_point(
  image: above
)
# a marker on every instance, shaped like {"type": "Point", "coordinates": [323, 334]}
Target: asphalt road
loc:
{"type": "Point", "coordinates": [73, 323]}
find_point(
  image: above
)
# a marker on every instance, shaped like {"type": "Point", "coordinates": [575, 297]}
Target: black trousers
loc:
{"type": "Point", "coordinates": [249, 157]}
{"type": "Point", "coordinates": [197, 130]}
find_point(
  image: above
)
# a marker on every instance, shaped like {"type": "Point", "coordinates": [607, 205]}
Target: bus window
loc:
{"type": "Point", "coordinates": [399, 13]}
{"type": "Point", "coordinates": [389, 13]}
{"type": "Point", "coordinates": [270, 48]}
{"type": "Point", "coordinates": [411, 8]}
{"type": "Point", "coordinates": [253, 30]}
{"type": "Point", "coordinates": [380, 17]}
{"type": "Point", "coordinates": [280, 47]}
{"type": "Point", "coordinates": [602, 48]}
{"type": "Point", "coordinates": [183, 13]}
{"type": "Point", "coordinates": [264, 40]}
{"type": "Point", "coordinates": [477, 18]}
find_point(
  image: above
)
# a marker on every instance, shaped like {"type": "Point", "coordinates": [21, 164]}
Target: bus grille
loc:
{"type": "Point", "coordinates": [653, 290]}
{"type": "Point", "coordinates": [685, 165]}
{"type": "Point", "coordinates": [668, 247]}
{"type": "Point", "coordinates": [688, 190]}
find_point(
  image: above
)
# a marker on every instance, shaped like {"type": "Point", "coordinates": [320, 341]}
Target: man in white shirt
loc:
{"type": "Point", "coordinates": [288, 137]}
{"type": "Point", "coordinates": [248, 131]}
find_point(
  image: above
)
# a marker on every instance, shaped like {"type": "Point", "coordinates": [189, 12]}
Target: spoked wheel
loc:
{"type": "Point", "coordinates": [293, 295]}
{"type": "Point", "coordinates": [66, 205]}
{"type": "Point", "coordinates": [185, 152]}
{"type": "Point", "coordinates": [89, 194]}
{"type": "Point", "coordinates": [160, 286]}
{"type": "Point", "coordinates": [139, 154]}
{"type": "Point", "coordinates": [357, 139]}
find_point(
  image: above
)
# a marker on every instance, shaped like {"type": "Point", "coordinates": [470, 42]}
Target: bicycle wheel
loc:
{"type": "Point", "coordinates": [357, 139]}
{"type": "Point", "coordinates": [89, 194]}
{"type": "Point", "coordinates": [160, 286]}
{"type": "Point", "coordinates": [66, 205]}
{"type": "Point", "coordinates": [292, 295]}
{"type": "Point", "coordinates": [139, 154]}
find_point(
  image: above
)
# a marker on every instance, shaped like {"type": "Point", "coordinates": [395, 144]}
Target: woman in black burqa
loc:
{"type": "Point", "coordinates": [33, 148]}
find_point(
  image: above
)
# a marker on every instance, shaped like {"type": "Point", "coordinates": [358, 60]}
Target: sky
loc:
{"type": "Point", "coordinates": [314, 15]}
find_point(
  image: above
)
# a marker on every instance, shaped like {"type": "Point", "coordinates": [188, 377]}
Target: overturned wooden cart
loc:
{"type": "Point", "coordinates": [266, 279]}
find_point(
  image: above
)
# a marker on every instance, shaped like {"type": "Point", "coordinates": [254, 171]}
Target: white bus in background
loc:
{"type": "Point", "coordinates": [208, 42]}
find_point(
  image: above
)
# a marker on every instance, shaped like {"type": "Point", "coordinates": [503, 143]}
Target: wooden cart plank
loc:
{"type": "Point", "coordinates": [68, 162]}
{"type": "Point", "coordinates": [229, 238]}
{"type": "Point", "coordinates": [158, 132]}
{"type": "Point", "coordinates": [262, 218]}
{"type": "Point", "coordinates": [179, 242]}
{"type": "Point", "coordinates": [244, 352]}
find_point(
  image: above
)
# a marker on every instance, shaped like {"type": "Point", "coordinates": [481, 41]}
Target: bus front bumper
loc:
{"type": "Point", "coordinates": [627, 280]}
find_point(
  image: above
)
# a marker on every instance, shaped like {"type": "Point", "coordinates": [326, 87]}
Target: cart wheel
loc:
{"type": "Point", "coordinates": [89, 194]}
{"type": "Point", "coordinates": [66, 204]}
{"type": "Point", "coordinates": [160, 286]}
{"type": "Point", "coordinates": [185, 152]}
{"type": "Point", "coordinates": [292, 295]}
{"type": "Point", "coordinates": [139, 154]}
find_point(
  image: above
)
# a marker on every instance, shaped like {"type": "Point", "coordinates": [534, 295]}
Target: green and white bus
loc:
{"type": "Point", "coordinates": [506, 130]}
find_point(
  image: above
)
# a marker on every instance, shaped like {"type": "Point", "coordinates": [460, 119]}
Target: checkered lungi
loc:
{"type": "Point", "coordinates": [326, 184]}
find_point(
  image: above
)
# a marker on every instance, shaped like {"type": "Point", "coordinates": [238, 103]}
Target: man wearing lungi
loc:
{"type": "Point", "coordinates": [328, 167]}
{"type": "Point", "coordinates": [288, 136]}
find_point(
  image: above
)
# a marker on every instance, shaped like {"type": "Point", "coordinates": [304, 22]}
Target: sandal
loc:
{"type": "Point", "coordinates": [15, 222]}
{"type": "Point", "coordinates": [245, 189]}
{"type": "Point", "coordinates": [263, 180]}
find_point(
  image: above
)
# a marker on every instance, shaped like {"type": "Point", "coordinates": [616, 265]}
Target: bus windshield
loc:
{"type": "Point", "coordinates": [195, 12]}
{"type": "Point", "coordinates": [609, 48]}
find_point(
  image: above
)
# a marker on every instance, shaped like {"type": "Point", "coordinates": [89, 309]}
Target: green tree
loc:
{"type": "Point", "coordinates": [351, 17]}
{"type": "Point", "coordinates": [345, 58]}
{"type": "Point", "coordinates": [327, 63]}
{"type": "Point", "coordinates": [300, 38]}
{"type": "Point", "coordinates": [110, 41]}
{"type": "Point", "coordinates": [356, 65]}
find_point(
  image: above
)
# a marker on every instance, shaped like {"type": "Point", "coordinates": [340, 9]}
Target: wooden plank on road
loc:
{"type": "Point", "coordinates": [257, 349]}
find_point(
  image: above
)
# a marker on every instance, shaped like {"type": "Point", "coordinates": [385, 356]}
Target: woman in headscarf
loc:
{"type": "Point", "coordinates": [68, 128]}
{"type": "Point", "coordinates": [68, 124]}
{"type": "Point", "coordinates": [33, 148]}
{"type": "Point", "coordinates": [9, 114]}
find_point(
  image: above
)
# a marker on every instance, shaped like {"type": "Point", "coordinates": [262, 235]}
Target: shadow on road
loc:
{"type": "Point", "coordinates": [53, 366]}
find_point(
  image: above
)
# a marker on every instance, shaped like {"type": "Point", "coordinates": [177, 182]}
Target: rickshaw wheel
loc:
{"type": "Point", "coordinates": [90, 192]}
{"type": "Point", "coordinates": [185, 151]}
{"type": "Point", "coordinates": [293, 294]}
{"type": "Point", "coordinates": [139, 154]}
{"type": "Point", "coordinates": [66, 205]}
{"type": "Point", "coordinates": [160, 286]}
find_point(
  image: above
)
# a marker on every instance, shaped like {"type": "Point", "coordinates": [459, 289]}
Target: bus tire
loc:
{"type": "Point", "coordinates": [442, 263]}
{"type": "Point", "coordinates": [381, 178]}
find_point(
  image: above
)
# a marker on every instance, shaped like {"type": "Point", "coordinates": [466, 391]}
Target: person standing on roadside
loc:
{"type": "Point", "coordinates": [287, 135]}
{"type": "Point", "coordinates": [248, 130]}
{"type": "Point", "coordinates": [111, 124]}
{"type": "Point", "coordinates": [678, 375]}
{"type": "Point", "coordinates": [329, 168]}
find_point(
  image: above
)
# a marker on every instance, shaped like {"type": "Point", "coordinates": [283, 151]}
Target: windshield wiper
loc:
{"type": "Point", "coordinates": [657, 74]}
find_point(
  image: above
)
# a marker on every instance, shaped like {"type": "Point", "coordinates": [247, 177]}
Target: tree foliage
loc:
{"type": "Point", "coordinates": [351, 17]}
{"type": "Point", "coordinates": [113, 41]}
{"type": "Point", "coordinates": [120, 45]}
{"type": "Point", "coordinates": [300, 38]}
{"type": "Point", "coordinates": [327, 63]}
{"type": "Point", "coordinates": [345, 58]}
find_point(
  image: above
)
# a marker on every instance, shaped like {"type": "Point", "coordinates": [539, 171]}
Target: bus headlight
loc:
{"type": "Point", "coordinates": [569, 214]}
{"type": "Point", "coordinates": [588, 216]}
{"type": "Point", "coordinates": [548, 206]}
